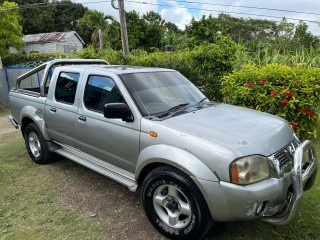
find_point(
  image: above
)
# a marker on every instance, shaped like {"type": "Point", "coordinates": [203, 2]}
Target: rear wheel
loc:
{"type": "Point", "coordinates": [36, 145]}
{"type": "Point", "coordinates": [175, 205]}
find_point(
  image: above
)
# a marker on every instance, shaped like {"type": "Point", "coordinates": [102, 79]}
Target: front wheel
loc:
{"type": "Point", "coordinates": [174, 204]}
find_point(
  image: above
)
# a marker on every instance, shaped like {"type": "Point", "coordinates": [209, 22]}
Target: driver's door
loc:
{"type": "Point", "coordinates": [111, 140]}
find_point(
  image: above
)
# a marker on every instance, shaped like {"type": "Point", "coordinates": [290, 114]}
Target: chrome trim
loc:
{"type": "Point", "coordinates": [13, 122]}
{"type": "Point", "coordinates": [299, 179]}
{"type": "Point", "coordinates": [278, 168]}
{"type": "Point", "coordinates": [48, 65]}
{"type": "Point", "coordinates": [117, 174]}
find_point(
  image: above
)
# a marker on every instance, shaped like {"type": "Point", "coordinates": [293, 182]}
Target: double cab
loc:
{"type": "Point", "coordinates": [197, 161]}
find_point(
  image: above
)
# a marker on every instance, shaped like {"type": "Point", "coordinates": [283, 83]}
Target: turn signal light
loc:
{"type": "Point", "coordinates": [153, 134]}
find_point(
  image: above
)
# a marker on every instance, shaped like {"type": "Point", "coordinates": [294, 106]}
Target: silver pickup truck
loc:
{"type": "Point", "coordinates": [197, 161]}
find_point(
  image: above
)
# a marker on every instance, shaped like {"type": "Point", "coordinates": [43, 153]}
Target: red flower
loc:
{"type": "Point", "coordinates": [274, 93]}
{"type": "Point", "coordinates": [288, 94]}
{"type": "Point", "coordinates": [310, 112]}
{"type": "Point", "coordinates": [249, 84]}
{"type": "Point", "coordinates": [294, 125]}
{"type": "Point", "coordinates": [285, 101]}
{"type": "Point", "coordinates": [307, 111]}
{"type": "Point", "coordinates": [310, 94]}
{"type": "Point", "coordinates": [297, 81]}
{"type": "Point", "coordinates": [263, 80]}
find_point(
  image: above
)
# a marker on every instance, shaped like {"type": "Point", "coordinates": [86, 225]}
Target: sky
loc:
{"type": "Point", "coordinates": [181, 12]}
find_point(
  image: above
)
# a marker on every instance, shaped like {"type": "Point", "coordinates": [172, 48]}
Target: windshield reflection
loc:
{"type": "Point", "coordinates": [158, 92]}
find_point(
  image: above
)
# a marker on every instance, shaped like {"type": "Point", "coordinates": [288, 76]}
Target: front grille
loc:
{"type": "Point", "coordinates": [282, 155]}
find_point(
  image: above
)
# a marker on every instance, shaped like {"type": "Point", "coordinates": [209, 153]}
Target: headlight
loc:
{"type": "Point", "coordinates": [249, 170]}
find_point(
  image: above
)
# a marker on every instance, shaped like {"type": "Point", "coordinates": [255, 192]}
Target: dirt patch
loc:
{"type": "Point", "coordinates": [118, 210]}
{"type": "Point", "coordinates": [6, 126]}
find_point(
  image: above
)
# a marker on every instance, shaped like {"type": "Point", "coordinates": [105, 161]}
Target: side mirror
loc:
{"type": "Point", "coordinates": [117, 111]}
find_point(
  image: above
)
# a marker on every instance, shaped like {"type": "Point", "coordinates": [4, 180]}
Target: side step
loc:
{"type": "Point", "coordinates": [117, 174]}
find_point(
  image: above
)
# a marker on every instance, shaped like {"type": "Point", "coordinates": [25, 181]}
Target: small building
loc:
{"type": "Point", "coordinates": [63, 42]}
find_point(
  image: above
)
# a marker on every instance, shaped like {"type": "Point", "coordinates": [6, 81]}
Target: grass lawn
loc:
{"type": "Point", "coordinates": [66, 201]}
{"type": "Point", "coordinates": [29, 204]}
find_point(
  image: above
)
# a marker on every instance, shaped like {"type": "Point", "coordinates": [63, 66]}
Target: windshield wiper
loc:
{"type": "Point", "coordinates": [202, 100]}
{"type": "Point", "coordinates": [173, 109]}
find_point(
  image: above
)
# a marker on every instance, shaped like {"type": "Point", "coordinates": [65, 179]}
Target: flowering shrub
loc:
{"type": "Point", "coordinates": [289, 92]}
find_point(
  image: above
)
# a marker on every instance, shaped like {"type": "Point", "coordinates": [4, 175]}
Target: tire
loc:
{"type": "Point", "coordinates": [174, 204]}
{"type": "Point", "coordinates": [36, 145]}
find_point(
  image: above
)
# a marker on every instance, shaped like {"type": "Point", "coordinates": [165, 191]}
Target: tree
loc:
{"type": "Point", "coordinates": [154, 31]}
{"type": "Point", "coordinates": [66, 15]}
{"type": "Point", "coordinates": [136, 28]}
{"type": "Point", "coordinates": [171, 27]}
{"type": "Point", "coordinates": [89, 25]}
{"type": "Point", "coordinates": [10, 29]}
{"type": "Point", "coordinates": [243, 30]}
{"type": "Point", "coordinates": [42, 16]}
{"type": "Point", "coordinates": [204, 30]}
{"type": "Point", "coordinates": [37, 18]}
{"type": "Point", "coordinates": [302, 37]}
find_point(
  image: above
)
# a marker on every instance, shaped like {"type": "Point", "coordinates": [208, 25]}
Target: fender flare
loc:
{"type": "Point", "coordinates": [176, 157]}
{"type": "Point", "coordinates": [37, 117]}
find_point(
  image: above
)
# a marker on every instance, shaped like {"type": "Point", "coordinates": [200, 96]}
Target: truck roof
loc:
{"type": "Point", "coordinates": [119, 69]}
{"type": "Point", "coordinates": [92, 64]}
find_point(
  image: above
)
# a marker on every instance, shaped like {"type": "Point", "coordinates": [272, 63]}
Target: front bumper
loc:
{"type": "Point", "coordinates": [302, 179]}
{"type": "Point", "coordinates": [274, 200]}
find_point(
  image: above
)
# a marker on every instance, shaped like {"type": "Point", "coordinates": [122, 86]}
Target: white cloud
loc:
{"type": "Point", "coordinates": [179, 16]}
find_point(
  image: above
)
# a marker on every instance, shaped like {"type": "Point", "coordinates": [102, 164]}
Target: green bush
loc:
{"type": "Point", "coordinates": [212, 61]}
{"type": "Point", "coordinates": [180, 61]}
{"type": "Point", "coordinates": [204, 65]}
{"type": "Point", "coordinates": [289, 92]}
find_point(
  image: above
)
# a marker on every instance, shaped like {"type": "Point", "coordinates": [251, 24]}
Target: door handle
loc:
{"type": "Point", "coordinates": [82, 118]}
{"type": "Point", "coordinates": [53, 109]}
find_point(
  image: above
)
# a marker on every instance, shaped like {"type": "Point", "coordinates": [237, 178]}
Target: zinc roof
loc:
{"type": "Point", "coordinates": [49, 37]}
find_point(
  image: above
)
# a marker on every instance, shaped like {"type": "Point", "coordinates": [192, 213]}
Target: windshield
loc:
{"type": "Point", "coordinates": [157, 92]}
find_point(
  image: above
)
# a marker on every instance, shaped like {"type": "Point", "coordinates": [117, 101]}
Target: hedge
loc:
{"type": "Point", "coordinates": [204, 65]}
{"type": "Point", "coordinates": [289, 92]}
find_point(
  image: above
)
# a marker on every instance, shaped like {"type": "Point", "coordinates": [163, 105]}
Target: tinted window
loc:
{"type": "Point", "coordinates": [66, 87]}
{"type": "Point", "coordinates": [100, 91]}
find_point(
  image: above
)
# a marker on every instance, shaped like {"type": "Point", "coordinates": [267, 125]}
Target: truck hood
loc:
{"type": "Point", "coordinates": [242, 130]}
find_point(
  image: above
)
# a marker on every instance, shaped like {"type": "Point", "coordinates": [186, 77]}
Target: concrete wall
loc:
{"type": "Point", "coordinates": [4, 92]}
{"type": "Point", "coordinates": [73, 43]}
{"type": "Point", "coordinates": [39, 47]}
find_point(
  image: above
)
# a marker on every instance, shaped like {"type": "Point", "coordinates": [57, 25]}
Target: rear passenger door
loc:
{"type": "Point", "coordinates": [61, 107]}
{"type": "Point", "coordinates": [111, 140]}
